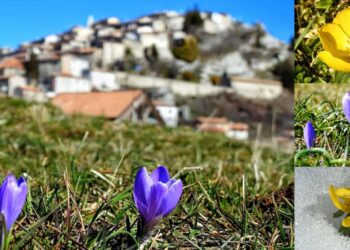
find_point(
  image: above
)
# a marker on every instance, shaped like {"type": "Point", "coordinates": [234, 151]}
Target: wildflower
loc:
{"type": "Point", "coordinates": [155, 196]}
{"type": "Point", "coordinates": [346, 105]}
{"type": "Point", "coordinates": [13, 194]}
{"type": "Point", "coordinates": [309, 135]}
{"type": "Point", "coordinates": [341, 200]}
{"type": "Point", "coordinates": [336, 42]}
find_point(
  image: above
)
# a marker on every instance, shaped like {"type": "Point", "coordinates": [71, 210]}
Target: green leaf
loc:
{"type": "Point", "coordinates": [305, 31]}
{"type": "Point", "coordinates": [324, 4]}
{"type": "Point", "coordinates": [344, 230]}
{"type": "Point", "coordinates": [338, 214]}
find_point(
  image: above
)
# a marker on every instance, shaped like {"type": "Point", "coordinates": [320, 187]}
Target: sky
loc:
{"type": "Point", "coordinates": [23, 21]}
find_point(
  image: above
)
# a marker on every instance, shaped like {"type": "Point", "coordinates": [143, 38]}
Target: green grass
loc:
{"type": "Point", "coordinates": [80, 172]}
{"type": "Point", "coordinates": [311, 15]}
{"type": "Point", "coordinates": [321, 104]}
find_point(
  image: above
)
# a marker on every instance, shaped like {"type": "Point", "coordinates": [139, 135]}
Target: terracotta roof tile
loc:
{"type": "Point", "coordinates": [204, 119]}
{"type": "Point", "coordinates": [239, 126]}
{"type": "Point", "coordinates": [31, 88]}
{"type": "Point", "coordinates": [107, 104]}
{"type": "Point", "coordinates": [11, 63]}
{"type": "Point", "coordinates": [211, 128]}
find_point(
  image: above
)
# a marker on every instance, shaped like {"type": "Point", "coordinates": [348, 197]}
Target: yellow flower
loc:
{"type": "Point", "coordinates": [335, 39]}
{"type": "Point", "coordinates": [341, 199]}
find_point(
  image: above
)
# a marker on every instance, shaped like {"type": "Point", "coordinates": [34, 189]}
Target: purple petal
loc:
{"type": "Point", "coordinates": [346, 105]}
{"type": "Point", "coordinates": [170, 182]}
{"type": "Point", "coordinates": [158, 191]}
{"type": "Point", "coordinates": [142, 188]}
{"type": "Point", "coordinates": [309, 135]}
{"type": "Point", "coordinates": [161, 173]}
{"type": "Point", "coordinates": [13, 195]}
{"type": "Point", "coordinates": [171, 199]}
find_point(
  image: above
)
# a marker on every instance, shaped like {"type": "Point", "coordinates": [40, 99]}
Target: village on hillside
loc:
{"type": "Point", "coordinates": [147, 70]}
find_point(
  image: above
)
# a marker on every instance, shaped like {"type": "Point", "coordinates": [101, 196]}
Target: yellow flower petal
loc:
{"type": "Point", "coordinates": [346, 222]}
{"type": "Point", "coordinates": [334, 39]}
{"type": "Point", "coordinates": [343, 19]}
{"type": "Point", "coordinates": [343, 192]}
{"type": "Point", "coordinates": [336, 195]}
{"type": "Point", "coordinates": [337, 63]}
{"type": "Point", "coordinates": [334, 198]}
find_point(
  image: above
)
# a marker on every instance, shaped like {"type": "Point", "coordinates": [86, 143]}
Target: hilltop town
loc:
{"type": "Point", "coordinates": [151, 68]}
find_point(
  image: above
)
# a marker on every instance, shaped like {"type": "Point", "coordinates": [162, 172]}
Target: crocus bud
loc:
{"type": "Point", "coordinates": [346, 105]}
{"type": "Point", "coordinates": [13, 194]}
{"type": "Point", "coordinates": [309, 135]}
{"type": "Point", "coordinates": [155, 196]}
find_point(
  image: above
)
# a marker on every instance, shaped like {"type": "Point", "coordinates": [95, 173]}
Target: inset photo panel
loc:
{"type": "Point", "coordinates": [322, 206]}
{"type": "Point", "coordinates": [322, 44]}
{"type": "Point", "coordinates": [322, 125]}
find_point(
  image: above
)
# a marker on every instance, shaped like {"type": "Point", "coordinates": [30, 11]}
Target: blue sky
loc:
{"type": "Point", "coordinates": [22, 20]}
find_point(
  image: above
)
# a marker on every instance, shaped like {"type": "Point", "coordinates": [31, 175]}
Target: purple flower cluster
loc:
{"type": "Point", "coordinates": [309, 131]}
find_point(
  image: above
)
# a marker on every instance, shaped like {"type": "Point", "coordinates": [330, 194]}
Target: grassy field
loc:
{"type": "Point", "coordinates": [80, 173]}
{"type": "Point", "coordinates": [321, 104]}
{"type": "Point", "coordinates": [310, 16]}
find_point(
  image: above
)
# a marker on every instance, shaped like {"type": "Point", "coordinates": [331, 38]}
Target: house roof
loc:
{"type": "Point", "coordinates": [107, 104]}
{"type": "Point", "coordinates": [11, 63]}
{"type": "Point", "coordinates": [239, 126]}
{"type": "Point", "coordinates": [30, 88]}
{"type": "Point", "coordinates": [204, 119]}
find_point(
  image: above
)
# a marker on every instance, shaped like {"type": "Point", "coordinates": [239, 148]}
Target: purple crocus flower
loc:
{"type": "Point", "coordinates": [346, 105]}
{"type": "Point", "coordinates": [309, 135]}
{"type": "Point", "coordinates": [155, 196]}
{"type": "Point", "coordinates": [13, 194]}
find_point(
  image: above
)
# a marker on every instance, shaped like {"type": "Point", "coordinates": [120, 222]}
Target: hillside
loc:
{"type": "Point", "coordinates": [196, 46]}
{"type": "Point", "coordinates": [81, 170]}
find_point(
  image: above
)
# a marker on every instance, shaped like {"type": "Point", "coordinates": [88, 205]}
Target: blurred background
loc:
{"type": "Point", "coordinates": [224, 67]}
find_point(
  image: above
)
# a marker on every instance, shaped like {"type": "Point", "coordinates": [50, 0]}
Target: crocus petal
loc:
{"type": "Point", "coordinates": [334, 38]}
{"type": "Point", "coordinates": [13, 196]}
{"type": "Point", "coordinates": [333, 193]}
{"type": "Point", "coordinates": [171, 199]}
{"type": "Point", "coordinates": [337, 63]}
{"type": "Point", "coordinates": [309, 135]}
{"type": "Point", "coordinates": [343, 193]}
{"type": "Point", "coordinates": [346, 222]}
{"type": "Point", "coordinates": [342, 19]}
{"type": "Point", "coordinates": [346, 105]}
{"type": "Point", "coordinates": [142, 188]}
{"type": "Point", "coordinates": [161, 174]}
{"type": "Point", "coordinates": [157, 194]}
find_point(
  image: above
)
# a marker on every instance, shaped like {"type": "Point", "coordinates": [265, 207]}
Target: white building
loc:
{"type": "Point", "coordinates": [160, 40]}
{"type": "Point", "coordinates": [175, 21]}
{"type": "Point", "coordinates": [74, 65]}
{"type": "Point", "coordinates": [216, 23]}
{"type": "Point", "coordinates": [51, 39]}
{"type": "Point", "coordinates": [11, 66]}
{"type": "Point", "coordinates": [169, 114]}
{"type": "Point", "coordinates": [238, 131]}
{"type": "Point", "coordinates": [11, 85]}
{"type": "Point", "coordinates": [103, 81]}
{"type": "Point", "coordinates": [69, 84]}
{"type": "Point", "coordinates": [135, 47]}
{"type": "Point", "coordinates": [159, 25]}
{"type": "Point", "coordinates": [111, 52]}
{"type": "Point", "coordinates": [83, 34]}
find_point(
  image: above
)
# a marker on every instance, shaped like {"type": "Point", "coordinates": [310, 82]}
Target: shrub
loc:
{"type": "Point", "coordinates": [188, 50]}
